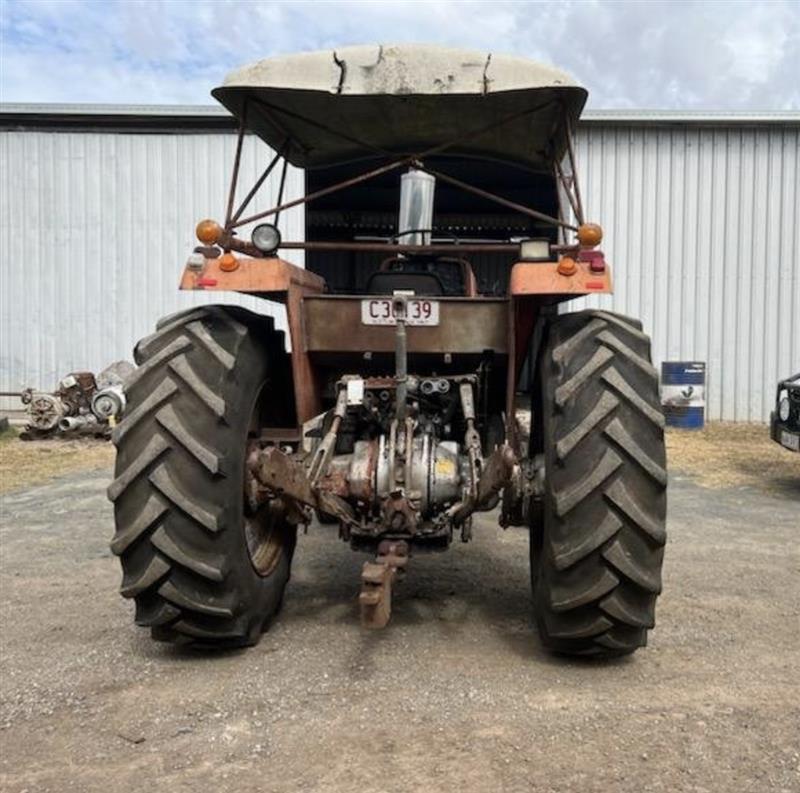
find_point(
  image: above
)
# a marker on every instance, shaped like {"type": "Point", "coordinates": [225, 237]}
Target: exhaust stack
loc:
{"type": "Point", "coordinates": [416, 208]}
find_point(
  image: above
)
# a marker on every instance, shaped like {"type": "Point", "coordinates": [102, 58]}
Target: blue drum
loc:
{"type": "Point", "coordinates": [683, 393]}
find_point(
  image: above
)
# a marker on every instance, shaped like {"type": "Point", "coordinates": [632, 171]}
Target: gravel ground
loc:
{"type": "Point", "coordinates": [456, 694]}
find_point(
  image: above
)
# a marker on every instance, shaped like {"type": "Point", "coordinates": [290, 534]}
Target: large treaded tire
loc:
{"type": "Point", "coordinates": [178, 491]}
{"type": "Point", "coordinates": [597, 553]}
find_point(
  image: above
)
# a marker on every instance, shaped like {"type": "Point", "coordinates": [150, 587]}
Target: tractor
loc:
{"type": "Point", "coordinates": [429, 371]}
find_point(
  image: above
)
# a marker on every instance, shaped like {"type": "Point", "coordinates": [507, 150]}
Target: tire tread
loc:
{"type": "Point", "coordinates": [176, 485]}
{"type": "Point", "coordinates": [596, 569]}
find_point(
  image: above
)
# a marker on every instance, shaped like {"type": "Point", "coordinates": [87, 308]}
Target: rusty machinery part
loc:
{"type": "Point", "coordinates": [472, 440]}
{"type": "Point", "coordinates": [596, 557]}
{"type": "Point", "coordinates": [75, 392]}
{"type": "Point", "coordinates": [63, 410]}
{"type": "Point", "coordinates": [202, 564]}
{"type": "Point", "coordinates": [272, 473]}
{"type": "Point", "coordinates": [377, 579]}
{"type": "Point", "coordinates": [81, 403]}
{"type": "Point", "coordinates": [380, 477]}
{"type": "Point", "coordinates": [44, 411]}
{"type": "Point", "coordinates": [496, 475]}
{"type": "Point", "coordinates": [108, 401]}
{"type": "Point", "coordinates": [82, 422]}
{"type": "Point", "coordinates": [322, 454]}
{"type": "Point", "coordinates": [524, 491]}
{"type": "Point", "coordinates": [400, 310]}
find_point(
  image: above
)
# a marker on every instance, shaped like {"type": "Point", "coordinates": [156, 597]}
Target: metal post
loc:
{"type": "Point", "coordinates": [571, 150]}
{"type": "Point", "coordinates": [400, 356]}
{"type": "Point", "coordinates": [280, 189]}
{"type": "Point", "coordinates": [563, 179]}
{"type": "Point", "coordinates": [236, 162]}
{"type": "Point", "coordinates": [261, 179]}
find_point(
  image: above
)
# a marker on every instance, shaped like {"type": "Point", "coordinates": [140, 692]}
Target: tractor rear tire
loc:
{"type": "Point", "coordinates": [597, 552]}
{"type": "Point", "coordinates": [200, 566]}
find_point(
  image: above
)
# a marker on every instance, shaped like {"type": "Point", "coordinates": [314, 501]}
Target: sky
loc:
{"type": "Point", "coordinates": [630, 54]}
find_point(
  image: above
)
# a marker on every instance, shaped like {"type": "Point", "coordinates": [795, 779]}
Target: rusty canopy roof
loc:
{"type": "Point", "coordinates": [355, 102]}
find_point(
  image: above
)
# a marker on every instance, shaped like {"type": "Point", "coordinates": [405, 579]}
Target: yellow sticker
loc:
{"type": "Point", "coordinates": [445, 466]}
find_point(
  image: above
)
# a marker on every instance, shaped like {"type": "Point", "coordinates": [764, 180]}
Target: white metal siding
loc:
{"type": "Point", "coordinates": [94, 230]}
{"type": "Point", "coordinates": [701, 226]}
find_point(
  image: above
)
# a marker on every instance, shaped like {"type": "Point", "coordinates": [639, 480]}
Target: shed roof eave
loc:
{"type": "Point", "coordinates": [103, 115]}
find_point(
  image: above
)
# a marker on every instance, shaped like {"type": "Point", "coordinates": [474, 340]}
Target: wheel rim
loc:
{"type": "Point", "coordinates": [264, 537]}
{"type": "Point", "coordinates": [263, 531]}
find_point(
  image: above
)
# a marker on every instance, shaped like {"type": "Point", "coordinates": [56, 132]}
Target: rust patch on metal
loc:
{"type": "Point", "coordinates": [466, 325]}
{"type": "Point", "coordinates": [270, 276]}
{"type": "Point", "coordinates": [398, 514]}
{"type": "Point", "coordinates": [544, 278]}
{"type": "Point", "coordinates": [335, 481]}
{"type": "Point", "coordinates": [375, 598]}
{"type": "Point", "coordinates": [362, 472]}
{"type": "Point", "coordinates": [273, 473]}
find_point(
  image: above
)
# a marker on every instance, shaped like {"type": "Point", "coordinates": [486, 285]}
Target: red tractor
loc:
{"type": "Point", "coordinates": [444, 228]}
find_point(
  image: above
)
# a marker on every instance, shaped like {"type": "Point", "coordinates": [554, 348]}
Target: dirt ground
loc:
{"type": "Point", "coordinates": [456, 694]}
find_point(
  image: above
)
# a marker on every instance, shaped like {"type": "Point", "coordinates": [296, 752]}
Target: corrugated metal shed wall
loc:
{"type": "Point", "coordinates": [94, 230]}
{"type": "Point", "coordinates": [701, 226]}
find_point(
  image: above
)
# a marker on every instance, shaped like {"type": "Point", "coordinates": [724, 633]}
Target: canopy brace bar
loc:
{"type": "Point", "coordinates": [261, 179]}
{"type": "Point", "coordinates": [568, 181]}
{"type": "Point", "coordinates": [236, 162]}
{"type": "Point", "coordinates": [323, 192]}
{"type": "Point", "coordinates": [523, 210]}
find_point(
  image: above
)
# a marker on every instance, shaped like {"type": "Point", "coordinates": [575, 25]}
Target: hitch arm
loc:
{"type": "Point", "coordinates": [495, 475]}
{"type": "Point", "coordinates": [278, 474]}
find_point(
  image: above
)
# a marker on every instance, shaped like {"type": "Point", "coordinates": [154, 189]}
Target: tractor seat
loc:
{"type": "Point", "coordinates": [387, 282]}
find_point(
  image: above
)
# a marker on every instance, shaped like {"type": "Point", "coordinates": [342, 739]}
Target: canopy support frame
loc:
{"type": "Point", "coordinates": [236, 163]}
{"type": "Point", "coordinates": [568, 182]}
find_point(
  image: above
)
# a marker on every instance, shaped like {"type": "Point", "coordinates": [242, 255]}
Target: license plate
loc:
{"type": "Point", "coordinates": [419, 311]}
{"type": "Point", "coordinates": [790, 440]}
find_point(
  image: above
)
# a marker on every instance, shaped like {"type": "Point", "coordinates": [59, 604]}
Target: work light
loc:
{"type": "Point", "coordinates": [266, 238]}
{"type": "Point", "coordinates": [535, 250]}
